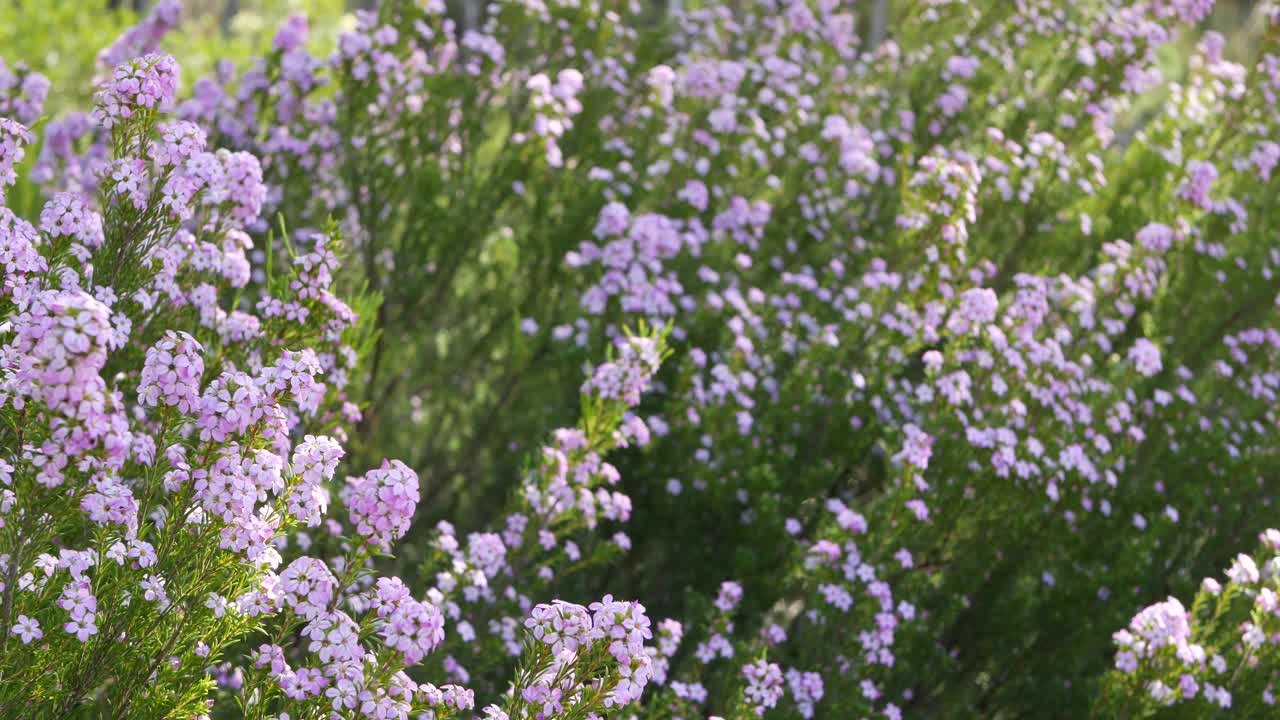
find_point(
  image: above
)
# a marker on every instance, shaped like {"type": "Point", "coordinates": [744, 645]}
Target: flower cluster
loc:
{"type": "Point", "coordinates": [22, 93]}
{"type": "Point", "coordinates": [14, 137]}
{"type": "Point", "coordinates": [382, 502]}
{"type": "Point", "coordinates": [569, 675]}
{"type": "Point", "coordinates": [1215, 655]}
{"type": "Point", "coordinates": [627, 377]}
{"type": "Point", "coordinates": [140, 85]}
{"type": "Point", "coordinates": [764, 685]}
{"type": "Point", "coordinates": [144, 507]}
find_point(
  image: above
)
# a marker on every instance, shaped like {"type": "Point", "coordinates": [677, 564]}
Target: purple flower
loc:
{"type": "Point", "coordinates": [147, 83]}
{"type": "Point", "coordinates": [382, 502]}
{"type": "Point", "coordinates": [764, 685]}
{"type": "Point", "coordinates": [1145, 357]}
{"type": "Point", "coordinates": [172, 371]}
{"type": "Point", "coordinates": [13, 137]}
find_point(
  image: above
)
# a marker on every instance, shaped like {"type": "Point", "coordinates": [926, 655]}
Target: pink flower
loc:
{"type": "Point", "coordinates": [27, 629]}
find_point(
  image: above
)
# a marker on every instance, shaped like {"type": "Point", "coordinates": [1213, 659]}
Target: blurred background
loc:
{"type": "Point", "coordinates": [61, 38]}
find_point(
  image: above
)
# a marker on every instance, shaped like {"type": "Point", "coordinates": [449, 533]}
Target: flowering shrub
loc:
{"type": "Point", "coordinates": [968, 349]}
{"type": "Point", "coordinates": [1217, 655]}
{"type": "Point", "coordinates": [145, 519]}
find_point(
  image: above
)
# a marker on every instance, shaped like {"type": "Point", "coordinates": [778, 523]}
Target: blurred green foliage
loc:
{"type": "Point", "coordinates": [62, 38]}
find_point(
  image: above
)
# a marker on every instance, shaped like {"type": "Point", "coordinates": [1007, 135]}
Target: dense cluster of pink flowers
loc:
{"type": "Point", "coordinates": [1170, 655]}
{"type": "Point", "coordinates": [155, 506]}
{"type": "Point", "coordinates": [618, 629]}
{"type": "Point", "coordinates": [382, 502]}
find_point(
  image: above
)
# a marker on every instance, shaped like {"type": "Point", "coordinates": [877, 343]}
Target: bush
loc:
{"type": "Point", "coordinates": [918, 366]}
{"type": "Point", "coordinates": [141, 517]}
